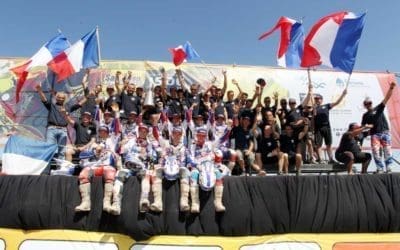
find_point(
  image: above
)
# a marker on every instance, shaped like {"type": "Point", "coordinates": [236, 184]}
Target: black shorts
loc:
{"type": "Point", "coordinates": [291, 157]}
{"type": "Point", "coordinates": [321, 134]}
{"type": "Point", "coordinates": [269, 160]}
{"type": "Point", "coordinates": [358, 157]}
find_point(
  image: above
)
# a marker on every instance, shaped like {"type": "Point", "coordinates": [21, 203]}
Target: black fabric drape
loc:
{"type": "Point", "coordinates": [254, 206]}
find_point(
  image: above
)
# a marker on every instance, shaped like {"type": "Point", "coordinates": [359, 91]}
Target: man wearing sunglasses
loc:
{"type": "Point", "coordinates": [380, 135]}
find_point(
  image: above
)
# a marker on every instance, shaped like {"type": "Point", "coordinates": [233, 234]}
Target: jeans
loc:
{"type": "Point", "coordinates": [378, 141]}
{"type": "Point", "coordinates": [57, 135]}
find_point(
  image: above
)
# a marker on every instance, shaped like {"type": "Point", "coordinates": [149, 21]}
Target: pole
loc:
{"type": "Point", "coordinates": [211, 73]}
{"type": "Point", "coordinates": [98, 43]}
{"type": "Point", "coordinates": [348, 81]}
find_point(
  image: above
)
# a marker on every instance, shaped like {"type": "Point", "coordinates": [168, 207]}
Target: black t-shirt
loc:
{"type": "Point", "coordinates": [130, 103]}
{"type": "Point", "coordinates": [294, 115]}
{"type": "Point", "coordinates": [348, 143]}
{"type": "Point", "coordinates": [266, 146]}
{"type": "Point", "coordinates": [377, 118]}
{"type": "Point", "coordinates": [90, 104]}
{"type": "Point", "coordinates": [321, 118]}
{"type": "Point", "coordinates": [174, 105]}
{"type": "Point", "coordinates": [242, 138]}
{"type": "Point", "coordinates": [111, 100]}
{"type": "Point", "coordinates": [229, 108]}
{"type": "Point", "coordinates": [55, 117]}
{"type": "Point", "coordinates": [84, 134]}
{"type": "Point", "coordinates": [287, 143]}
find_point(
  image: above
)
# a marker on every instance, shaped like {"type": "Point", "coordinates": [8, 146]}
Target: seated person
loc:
{"type": "Point", "coordinates": [349, 150]}
{"type": "Point", "coordinates": [268, 149]}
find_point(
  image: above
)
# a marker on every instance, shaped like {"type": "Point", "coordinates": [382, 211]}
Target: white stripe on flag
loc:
{"type": "Point", "coordinates": [15, 164]}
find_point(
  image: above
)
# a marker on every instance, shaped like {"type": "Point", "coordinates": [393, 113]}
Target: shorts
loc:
{"type": "Point", "coordinates": [358, 157]}
{"type": "Point", "coordinates": [248, 159]}
{"type": "Point", "coordinates": [269, 160]}
{"type": "Point", "coordinates": [323, 134]}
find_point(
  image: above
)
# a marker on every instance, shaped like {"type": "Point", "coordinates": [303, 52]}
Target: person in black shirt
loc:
{"type": "Point", "coordinates": [85, 132]}
{"type": "Point", "coordinates": [129, 101]}
{"type": "Point", "coordinates": [288, 145]}
{"type": "Point", "coordinates": [380, 135]}
{"type": "Point", "coordinates": [243, 142]}
{"type": "Point", "coordinates": [112, 96]}
{"type": "Point", "coordinates": [268, 149]}
{"type": "Point", "coordinates": [322, 126]}
{"type": "Point", "coordinates": [56, 124]}
{"type": "Point", "coordinates": [349, 150]}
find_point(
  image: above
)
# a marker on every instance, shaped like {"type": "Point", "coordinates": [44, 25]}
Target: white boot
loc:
{"type": "Point", "coordinates": [117, 197]}
{"type": "Point", "coordinates": [157, 205]}
{"type": "Point", "coordinates": [144, 195]}
{"type": "Point", "coordinates": [218, 191]}
{"type": "Point", "coordinates": [184, 203]}
{"type": "Point", "coordinates": [84, 189]}
{"type": "Point", "coordinates": [108, 188]}
{"type": "Point", "coordinates": [194, 194]}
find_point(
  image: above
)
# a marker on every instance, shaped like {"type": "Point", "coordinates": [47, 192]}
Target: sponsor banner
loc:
{"type": "Point", "coordinates": [15, 239]}
{"type": "Point", "coordinates": [30, 116]}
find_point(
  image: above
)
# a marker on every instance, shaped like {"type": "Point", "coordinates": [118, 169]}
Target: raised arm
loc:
{"type": "Point", "coordinates": [225, 82]}
{"type": "Point", "coordinates": [163, 83]}
{"type": "Point", "coordinates": [181, 80]}
{"type": "Point", "coordinates": [41, 93]}
{"type": "Point", "coordinates": [340, 98]}
{"type": "Point", "coordinates": [236, 83]}
{"type": "Point", "coordinates": [85, 79]}
{"type": "Point", "coordinates": [66, 116]}
{"type": "Point", "coordinates": [389, 93]}
{"type": "Point", "coordinates": [117, 81]}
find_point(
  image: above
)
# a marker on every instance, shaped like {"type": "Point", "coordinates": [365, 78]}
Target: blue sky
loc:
{"type": "Point", "coordinates": [221, 31]}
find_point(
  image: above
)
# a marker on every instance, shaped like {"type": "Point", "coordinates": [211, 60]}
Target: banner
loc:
{"type": "Point", "coordinates": [29, 116]}
{"type": "Point", "coordinates": [71, 239]}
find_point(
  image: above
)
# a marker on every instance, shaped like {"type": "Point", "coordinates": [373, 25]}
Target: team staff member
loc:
{"type": "Point", "coordinates": [380, 135]}
{"type": "Point", "coordinates": [56, 123]}
{"type": "Point", "coordinates": [349, 150]}
{"type": "Point", "coordinates": [322, 127]}
{"type": "Point", "coordinates": [85, 133]}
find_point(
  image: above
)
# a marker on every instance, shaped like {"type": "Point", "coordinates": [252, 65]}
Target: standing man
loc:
{"type": "Point", "coordinates": [322, 127]}
{"type": "Point", "coordinates": [380, 136]}
{"type": "Point", "coordinates": [56, 131]}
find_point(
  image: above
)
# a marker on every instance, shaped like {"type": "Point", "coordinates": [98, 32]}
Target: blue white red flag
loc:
{"type": "Point", "coordinates": [81, 55]}
{"type": "Point", "coordinates": [25, 156]}
{"type": "Point", "coordinates": [333, 41]}
{"type": "Point", "coordinates": [290, 49]}
{"type": "Point", "coordinates": [182, 53]}
{"type": "Point", "coordinates": [45, 54]}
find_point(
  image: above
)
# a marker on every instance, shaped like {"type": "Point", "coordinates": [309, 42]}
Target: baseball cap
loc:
{"type": "Point", "coordinates": [104, 128]}
{"type": "Point", "coordinates": [143, 126]}
{"type": "Point", "coordinates": [87, 113]}
{"type": "Point", "coordinates": [201, 131]}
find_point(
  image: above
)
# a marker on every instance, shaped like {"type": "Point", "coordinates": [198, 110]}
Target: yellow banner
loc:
{"type": "Point", "coordinates": [70, 239]}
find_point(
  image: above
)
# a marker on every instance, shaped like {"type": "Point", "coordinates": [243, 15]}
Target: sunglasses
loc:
{"type": "Point", "coordinates": [367, 103]}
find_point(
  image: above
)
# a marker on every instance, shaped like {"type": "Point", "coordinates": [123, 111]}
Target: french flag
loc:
{"type": "Point", "coordinates": [81, 55]}
{"type": "Point", "coordinates": [333, 41]}
{"type": "Point", "coordinates": [290, 49]}
{"type": "Point", "coordinates": [25, 156]}
{"type": "Point", "coordinates": [182, 53]}
{"type": "Point", "coordinates": [44, 55]}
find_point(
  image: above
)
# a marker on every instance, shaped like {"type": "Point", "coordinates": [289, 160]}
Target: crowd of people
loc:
{"type": "Point", "coordinates": [185, 132]}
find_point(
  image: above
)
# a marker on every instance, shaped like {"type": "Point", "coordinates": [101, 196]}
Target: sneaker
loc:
{"type": "Point", "coordinates": [379, 171]}
{"type": "Point", "coordinates": [388, 170]}
{"type": "Point", "coordinates": [333, 162]}
{"type": "Point", "coordinates": [298, 172]}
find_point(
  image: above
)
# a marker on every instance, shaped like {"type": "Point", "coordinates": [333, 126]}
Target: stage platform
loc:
{"type": "Point", "coordinates": [254, 206]}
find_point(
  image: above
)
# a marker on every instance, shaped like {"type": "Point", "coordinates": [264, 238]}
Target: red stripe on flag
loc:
{"type": "Point", "coordinates": [61, 66]}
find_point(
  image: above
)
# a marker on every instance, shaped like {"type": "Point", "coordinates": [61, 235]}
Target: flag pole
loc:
{"type": "Point", "coordinates": [98, 43]}
{"type": "Point", "coordinates": [209, 71]}
{"type": "Point", "coordinates": [348, 81]}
